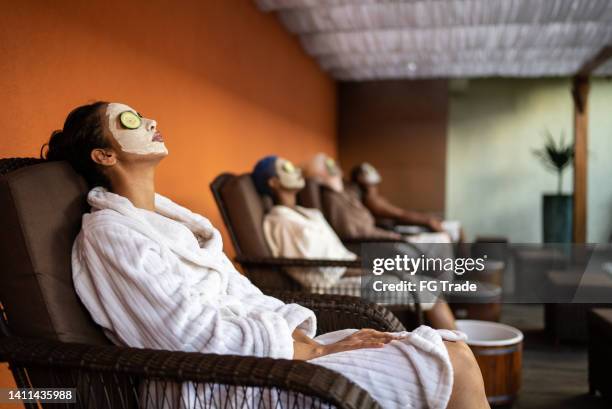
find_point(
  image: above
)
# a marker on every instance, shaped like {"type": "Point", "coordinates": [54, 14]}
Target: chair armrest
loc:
{"type": "Point", "coordinates": [335, 312]}
{"type": "Point", "coordinates": [263, 262]}
{"type": "Point", "coordinates": [105, 363]}
{"type": "Point", "coordinates": [410, 229]}
{"type": "Point", "coordinates": [369, 240]}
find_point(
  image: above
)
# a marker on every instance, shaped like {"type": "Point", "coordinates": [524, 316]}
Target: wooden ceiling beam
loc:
{"type": "Point", "coordinates": [599, 59]}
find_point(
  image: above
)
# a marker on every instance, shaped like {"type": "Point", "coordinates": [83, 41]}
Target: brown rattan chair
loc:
{"type": "Point", "coordinates": [600, 357]}
{"type": "Point", "coordinates": [243, 209]}
{"type": "Point", "coordinates": [49, 339]}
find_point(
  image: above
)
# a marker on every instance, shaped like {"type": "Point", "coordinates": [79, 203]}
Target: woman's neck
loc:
{"type": "Point", "coordinates": [286, 198]}
{"type": "Point", "coordinates": [371, 190]}
{"type": "Point", "coordinates": [136, 184]}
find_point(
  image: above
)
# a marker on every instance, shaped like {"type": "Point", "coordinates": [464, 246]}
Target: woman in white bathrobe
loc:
{"type": "Point", "coordinates": [295, 231]}
{"type": "Point", "coordinates": [153, 274]}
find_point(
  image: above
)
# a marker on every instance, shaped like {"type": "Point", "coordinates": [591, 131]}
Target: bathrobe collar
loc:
{"type": "Point", "coordinates": [211, 243]}
{"type": "Point", "coordinates": [298, 213]}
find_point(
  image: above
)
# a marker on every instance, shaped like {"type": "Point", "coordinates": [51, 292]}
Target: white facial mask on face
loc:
{"type": "Point", "coordinates": [134, 134]}
{"type": "Point", "coordinates": [289, 176]}
{"type": "Point", "coordinates": [334, 178]}
{"type": "Point", "coordinates": [332, 167]}
{"type": "Point", "coordinates": [370, 174]}
{"type": "Point", "coordinates": [325, 170]}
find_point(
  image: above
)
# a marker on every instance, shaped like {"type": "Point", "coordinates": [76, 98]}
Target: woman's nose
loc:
{"type": "Point", "coordinates": [152, 125]}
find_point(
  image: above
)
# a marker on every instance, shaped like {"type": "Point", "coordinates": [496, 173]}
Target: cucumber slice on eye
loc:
{"type": "Point", "coordinates": [130, 120]}
{"type": "Point", "coordinates": [289, 167]}
{"type": "Point", "coordinates": [331, 166]}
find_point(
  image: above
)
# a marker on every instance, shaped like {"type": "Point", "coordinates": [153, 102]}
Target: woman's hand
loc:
{"type": "Point", "coordinates": [435, 225]}
{"type": "Point", "coordinates": [299, 336]}
{"type": "Point", "coordinates": [304, 347]}
{"type": "Point", "coordinates": [365, 338]}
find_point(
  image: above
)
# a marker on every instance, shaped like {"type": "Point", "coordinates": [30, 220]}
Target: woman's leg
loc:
{"type": "Point", "coordinates": [468, 386]}
{"type": "Point", "coordinates": [440, 316]}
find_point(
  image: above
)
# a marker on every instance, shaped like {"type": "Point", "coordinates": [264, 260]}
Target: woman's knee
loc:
{"type": "Point", "coordinates": [465, 367]}
{"type": "Point", "coordinates": [461, 356]}
{"type": "Point", "coordinates": [468, 385]}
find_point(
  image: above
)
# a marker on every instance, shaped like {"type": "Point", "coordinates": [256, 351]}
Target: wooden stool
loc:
{"type": "Point", "coordinates": [600, 354]}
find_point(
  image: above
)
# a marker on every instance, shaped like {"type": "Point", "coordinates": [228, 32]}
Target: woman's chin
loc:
{"type": "Point", "coordinates": [160, 155]}
{"type": "Point", "coordinates": [152, 156]}
{"type": "Point", "coordinates": [160, 151]}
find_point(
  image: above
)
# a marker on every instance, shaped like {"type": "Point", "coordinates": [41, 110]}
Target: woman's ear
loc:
{"type": "Point", "coordinates": [274, 183]}
{"type": "Point", "coordinates": [104, 157]}
{"type": "Point", "coordinates": [361, 179]}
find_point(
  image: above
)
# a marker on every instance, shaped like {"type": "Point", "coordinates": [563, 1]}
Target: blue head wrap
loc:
{"type": "Point", "coordinates": [262, 172]}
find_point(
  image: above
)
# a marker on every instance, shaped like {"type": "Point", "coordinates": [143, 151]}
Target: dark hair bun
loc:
{"type": "Point", "coordinates": [55, 147]}
{"type": "Point", "coordinates": [82, 132]}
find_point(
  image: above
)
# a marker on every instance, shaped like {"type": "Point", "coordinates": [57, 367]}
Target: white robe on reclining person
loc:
{"type": "Point", "coordinates": [161, 280]}
{"type": "Point", "coordinates": [304, 233]}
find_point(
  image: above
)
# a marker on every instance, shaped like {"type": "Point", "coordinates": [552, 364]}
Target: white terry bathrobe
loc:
{"type": "Point", "coordinates": [161, 280]}
{"type": "Point", "coordinates": [304, 233]}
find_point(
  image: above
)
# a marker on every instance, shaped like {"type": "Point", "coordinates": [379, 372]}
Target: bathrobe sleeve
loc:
{"type": "Point", "coordinates": [131, 289]}
{"type": "Point", "coordinates": [296, 315]}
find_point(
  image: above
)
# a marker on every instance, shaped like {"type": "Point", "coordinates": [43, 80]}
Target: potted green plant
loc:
{"type": "Point", "coordinates": [556, 208]}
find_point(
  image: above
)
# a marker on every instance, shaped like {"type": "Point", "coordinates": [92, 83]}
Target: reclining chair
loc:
{"type": "Point", "coordinates": [49, 339]}
{"type": "Point", "coordinates": [243, 209]}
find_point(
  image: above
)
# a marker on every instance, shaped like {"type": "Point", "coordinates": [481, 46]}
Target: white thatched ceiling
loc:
{"type": "Point", "coordinates": [373, 39]}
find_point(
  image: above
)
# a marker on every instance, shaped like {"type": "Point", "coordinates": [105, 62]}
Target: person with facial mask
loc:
{"type": "Point", "coordinates": [367, 178]}
{"type": "Point", "coordinates": [294, 231]}
{"type": "Point", "coordinates": [153, 274]}
{"type": "Point", "coordinates": [350, 219]}
{"type": "Point", "coordinates": [344, 210]}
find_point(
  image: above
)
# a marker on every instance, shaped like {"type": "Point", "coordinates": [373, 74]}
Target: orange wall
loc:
{"type": "Point", "coordinates": [226, 83]}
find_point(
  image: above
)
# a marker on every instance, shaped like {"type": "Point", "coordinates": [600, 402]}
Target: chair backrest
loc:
{"type": "Point", "coordinates": [310, 196]}
{"type": "Point", "coordinates": [243, 210]}
{"type": "Point", "coordinates": [41, 206]}
{"type": "Point", "coordinates": [357, 191]}
{"type": "Point", "coordinates": [315, 195]}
